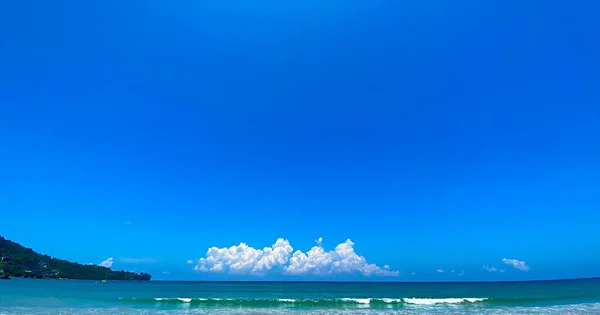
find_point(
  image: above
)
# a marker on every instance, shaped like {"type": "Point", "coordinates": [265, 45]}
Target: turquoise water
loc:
{"type": "Point", "coordinates": [22, 296]}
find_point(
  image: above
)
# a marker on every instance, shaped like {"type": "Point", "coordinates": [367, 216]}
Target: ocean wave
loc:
{"type": "Point", "coordinates": [358, 301]}
{"type": "Point", "coordinates": [318, 303]}
{"type": "Point", "coordinates": [391, 301]}
{"type": "Point", "coordinates": [422, 301]}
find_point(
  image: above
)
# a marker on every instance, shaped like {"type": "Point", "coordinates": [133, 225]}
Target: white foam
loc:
{"type": "Point", "coordinates": [387, 300]}
{"type": "Point", "coordinates": [424, 301]}
{"type": "Point", "coordinates": [185, 300]}
{"type": "Point", "coordinates": [473, 300]}
{"type": "Point", "coordinates": [286, 300]}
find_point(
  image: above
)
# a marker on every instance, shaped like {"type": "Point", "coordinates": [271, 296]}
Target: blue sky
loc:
{"type": "Point", "coordinates": [434, 134]}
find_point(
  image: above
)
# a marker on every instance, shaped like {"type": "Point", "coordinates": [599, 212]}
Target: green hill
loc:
{"type": "Point", "coordinates": [19, 261]}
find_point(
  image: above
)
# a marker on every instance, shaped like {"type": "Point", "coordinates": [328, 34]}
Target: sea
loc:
{"type": "Point", "coordinates": [27, 296]}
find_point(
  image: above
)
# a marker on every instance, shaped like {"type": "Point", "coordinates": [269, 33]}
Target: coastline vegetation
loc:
{"type": "Point", "coordinates": [19, 261]}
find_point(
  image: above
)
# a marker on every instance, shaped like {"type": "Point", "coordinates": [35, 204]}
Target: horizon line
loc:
{"type": "Point", "coordinates": [358, 281]}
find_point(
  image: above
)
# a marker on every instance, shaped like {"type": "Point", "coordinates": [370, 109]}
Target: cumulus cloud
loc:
{"type": "Point", "coordinates": [441, 270]}
{"type": "Point", "coordinates": [490, 268]}
{"type": "Point", "coordinates": [280, 257]}
{"type": "Point", "coordinates": [107, 263]}
{"type": "Point", "coordinates": [521, 265]}
{"type": "Point", "coordinates": [189, 262]}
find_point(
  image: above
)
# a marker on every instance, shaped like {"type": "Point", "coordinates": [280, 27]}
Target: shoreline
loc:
{"type": "Point", "coordinates": [69, 279]}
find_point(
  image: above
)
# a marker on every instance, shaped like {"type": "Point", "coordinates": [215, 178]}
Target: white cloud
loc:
{"type": "Point", "coordinates": [452, 271]}
{"type": "Point", "coordinates": [461, 273]}
{"type": "Point", "coordinates": [107, 263]}
{"type": "Point", "coordinates": [441, 270]}
{"type": "Point", "coordinates": [189, 262]}
{"type": "Point", "coordinates": [245, 260]}
{"type": "Point", "coordinates": [521, 265]}
{"type": "Point", "coordinates": [490, 268]}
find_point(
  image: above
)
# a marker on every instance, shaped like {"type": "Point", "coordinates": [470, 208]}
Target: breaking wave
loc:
{"type": "Point", "coordinates": [291, 303]}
